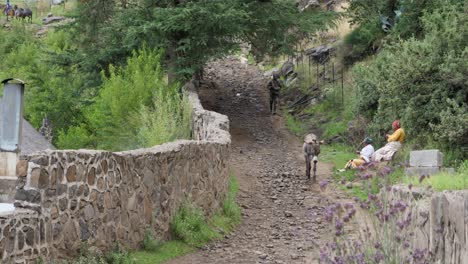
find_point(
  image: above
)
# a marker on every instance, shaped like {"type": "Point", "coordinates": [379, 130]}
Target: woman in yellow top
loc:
{"type": "Point", "coordinates": [394, 143]}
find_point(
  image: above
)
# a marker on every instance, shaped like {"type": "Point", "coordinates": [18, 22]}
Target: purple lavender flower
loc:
{"type": "Point", "coordinates": [366, 176]}
{"type": "Point", "coordinates": [378, 257]}
{"type": "Point", "coordinates": [338, 224]}
{"type": "Point", "coordinates": [328, 213]}
{"type": "Point", "coordinates": [323, 185]}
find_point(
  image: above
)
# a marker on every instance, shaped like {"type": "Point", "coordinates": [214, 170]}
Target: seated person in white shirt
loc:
{"type": "Point", "coordinates": [364, 155]}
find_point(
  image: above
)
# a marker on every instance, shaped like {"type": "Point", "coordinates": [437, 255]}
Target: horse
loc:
{"type": "Point", "coordinates": [18, 12]}
{"type": "Point", "coordinates": [10, 12]}
{"type": "Point", "coordinates": [27, 13]}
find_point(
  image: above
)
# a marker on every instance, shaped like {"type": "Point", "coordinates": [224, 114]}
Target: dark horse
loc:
{"type": "Point", "coordinates": [21, 13]}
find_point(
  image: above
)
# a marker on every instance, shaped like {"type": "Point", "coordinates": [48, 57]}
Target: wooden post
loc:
{"type": "Point", "coordinates": [342, 88]}
{"type": "Point", "coordinates": [318, 80]}
{"type": "Point", "coordinates": [333, 73]}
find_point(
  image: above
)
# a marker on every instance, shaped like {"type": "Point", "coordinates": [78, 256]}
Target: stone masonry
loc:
{"type": "Point", "coordinates": [440, 222]}
{"type": "Point", "coordinates": [66, 197]}
{"type": "Point", "coordinates": [427, 162]}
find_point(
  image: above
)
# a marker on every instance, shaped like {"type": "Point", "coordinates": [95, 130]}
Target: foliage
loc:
{"type": "Point", "coordinates": [190, 225]}
{"type": "Point", "coordinates": [149, 242]}
{"type": "Point", "coordinates": [192, 229]}
{"type": "Point", "coordinates": [135, 108]}
{"type": "Point", "coordinates": [192, 32]}
{"type": "Point", "coordinates": [337, 154]}
{"type": "Point", "coordinates": [230, 216]}
{"type": "Point", "coordinates": [443, 181]}
{"type": "Point", "coordinates": [117, 256]}
{"type": "Point", "coordinates": [51, 89]}
{"type": "Point", "coordinates": [361, 42]}
{"type": "Point", "coordinates": [422, 82]}
{"type": "Point", "coordinates": [293, 125]}
{"type": "Point", "coordinates": [164, 252]}
{"type": "Point", "coordinates": [387, 236]}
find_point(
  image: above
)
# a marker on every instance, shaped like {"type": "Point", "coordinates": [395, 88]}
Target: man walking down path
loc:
{"type": "Point", "coordinates": [274, 86]}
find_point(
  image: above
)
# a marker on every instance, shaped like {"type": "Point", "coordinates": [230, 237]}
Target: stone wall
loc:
{"type": "Point", "coordinates": [66, 197]}
{"type": "Point", "coordinates": [440, 222]}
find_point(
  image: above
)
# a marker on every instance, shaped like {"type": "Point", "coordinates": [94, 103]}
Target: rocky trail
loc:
{"type": "Point", "coordinates": [281, 209]}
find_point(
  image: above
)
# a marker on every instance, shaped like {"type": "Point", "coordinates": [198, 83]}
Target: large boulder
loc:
{"type": "Point", "coordinates": [52, 19]}
{"type": "Point", "coordinates": [287, 69]}
{"type": "Point", "coordinates": [320, 54]}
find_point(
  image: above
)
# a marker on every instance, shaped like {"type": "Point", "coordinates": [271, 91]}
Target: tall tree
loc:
{"type": "Point", "coordinates": [194, 31]}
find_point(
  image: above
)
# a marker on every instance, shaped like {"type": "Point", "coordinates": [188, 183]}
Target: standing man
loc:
{"type": "Point", "coordinates": [274, 86]}
{"type": "Point", "coordinates": [311, 149]}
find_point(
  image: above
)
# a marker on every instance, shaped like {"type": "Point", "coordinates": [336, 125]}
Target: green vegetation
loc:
{"type": "Point", "coordinates": [164, 252]}
{"type": "Point", "coordinates": [338, 154]}
{"type": "Point", "coordinates": [417, 74]}
{"type": "Point", "coordinates": [137, 51]}
{"type": "Point", "coordinates": [422, 82]}
{"type": "Point", "coordinates": [191, 229]}
{"type": "Point", "coordinates": [189, 225]}
{"type": "Point", "coordinates": [117, 256]}
{"type": "Point", "coordinates": [135, 108]}
{"type": "Point", "coordinates": [295, 126]}
{"type": "Point", "coordinates": [443, 181]}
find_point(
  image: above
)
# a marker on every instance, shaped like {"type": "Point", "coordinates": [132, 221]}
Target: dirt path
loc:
{"type": "Point", "coordinates": [281, 215]}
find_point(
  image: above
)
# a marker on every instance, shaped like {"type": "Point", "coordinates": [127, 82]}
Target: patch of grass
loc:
{"type": "Point", "coordinates": [117, 256]}
{"type": "Point", "coordinates": [332, 129]}
{"type": "Point", "coordinates": [337, 154]}
{"type": "Point", "coordinates": [293, 125]}
{"type": "Point", "coordinates": [192, 230]}
{"type": "Point", "coordinates": [444, 181]}
{"type": "Point", "coordinates": [190, 226]}
{"type": "Point", "coordinates": [163, 252]}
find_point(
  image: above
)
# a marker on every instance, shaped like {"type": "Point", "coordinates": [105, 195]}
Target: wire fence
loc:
{"type": "Point", "coordinates": [319, 71]}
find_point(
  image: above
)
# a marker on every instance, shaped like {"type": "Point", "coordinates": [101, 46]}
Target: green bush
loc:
{"type": "Point", "coordinates": [149, 242]}
{"type": "Point", "coordinates": [135, 108]}
{"type": "Point", "coordinates": [190, 226]}
{"type": "Point", "coordinates": [422, 82]}
{"type": "Point", "coordinates": [361, 42]}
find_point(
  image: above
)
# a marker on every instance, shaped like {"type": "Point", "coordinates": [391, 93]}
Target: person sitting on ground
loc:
{"type": "Point", "coordinates": [394, 144]}
{"type": "Point", "coordinates": [274, 86]}
{"type": "Point", "coordinates": [364, 155]}
{"type": "Point", "coordinates": [311, 149]}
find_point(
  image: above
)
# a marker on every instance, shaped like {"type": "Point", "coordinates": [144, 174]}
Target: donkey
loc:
{"type": "Point", "coordinates": [311, 150]}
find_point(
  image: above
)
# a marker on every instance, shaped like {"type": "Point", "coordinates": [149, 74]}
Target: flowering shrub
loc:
{"type": "Point", "coordinates": [387, 240]}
